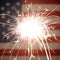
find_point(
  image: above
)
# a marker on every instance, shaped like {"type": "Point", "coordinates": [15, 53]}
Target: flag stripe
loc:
{"type": "Point", "coordinates": [27, 57]}
{"type": "Point", "coordinates": [39, 7]}
{"type": "Point", "coordinates": [53, 39]}
{"type": "Point", "coordinates": [54, 32]}
{"type": "Point", "coordinates": [54, 26]}
{"type": "Point", "coordinates": [24, 52]}
{"type": "Point", "coordinates": [53, 44]}
{"type": "Point", "coordinates": [41, 2]}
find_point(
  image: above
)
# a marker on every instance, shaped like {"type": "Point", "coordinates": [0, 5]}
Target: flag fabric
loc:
{"type": "Point", "coordinates": [7, 7]}
{"type": "Point", "coordinates": [10, 7]}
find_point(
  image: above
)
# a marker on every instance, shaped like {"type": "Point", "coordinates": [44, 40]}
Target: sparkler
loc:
{"type": "Point", "coordinates": [31, 27]}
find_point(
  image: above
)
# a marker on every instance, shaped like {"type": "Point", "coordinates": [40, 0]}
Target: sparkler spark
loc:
{"type": "Point", "coordinates": [32, 27]}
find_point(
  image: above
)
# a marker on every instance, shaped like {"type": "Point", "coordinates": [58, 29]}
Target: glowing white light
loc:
{"type": "Point", "coordinates": [30, 27]}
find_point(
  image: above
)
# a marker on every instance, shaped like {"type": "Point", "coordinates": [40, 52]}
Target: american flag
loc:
{"type": "Point", "coordinates": [11, 7]}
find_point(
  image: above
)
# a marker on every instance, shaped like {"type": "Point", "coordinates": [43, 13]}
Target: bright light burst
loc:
{"type": "Point", "coordinates": [31, 27]}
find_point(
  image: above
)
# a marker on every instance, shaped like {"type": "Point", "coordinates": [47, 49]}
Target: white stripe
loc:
{"type": "Point", "coordinates": [54, 32]}
{"type": "Point", "coordinates": [53, 19]}
{"type": "Point", "coordinates": [39, 7]}
{"type": "Point", "coordinates": [27, 58]}
{"type": "Point", "coordinates": [51, 46]}
{"type": "Point", "coordinates": [25, 46]}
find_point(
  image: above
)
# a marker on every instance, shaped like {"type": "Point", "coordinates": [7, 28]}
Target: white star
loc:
{"type": "Point", "coordinates": [7, 4]}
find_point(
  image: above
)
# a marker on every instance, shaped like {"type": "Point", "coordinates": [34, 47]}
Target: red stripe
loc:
{"type": "Point", "coordinates": [52, 39]}
{"type": "Point", "coordinates": [38, 52]}
{"type": "Point", "coordinates": [45, 13]}
{"type": "Point", "coordinates": [41, 1]}
{"type": "Point", "coordinates": [54, 26]}
{"type": "Point", "coordinates": [24, 52]}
